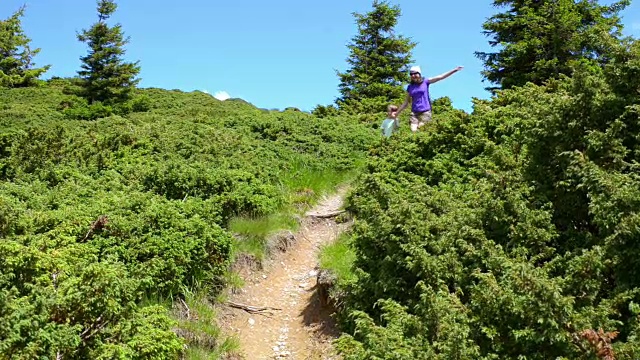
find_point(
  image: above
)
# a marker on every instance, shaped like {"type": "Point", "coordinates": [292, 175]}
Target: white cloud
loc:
{"type": "Point", "coordinates": [204, 91]}
{"type": "Point", "coordinates": [221, 95]}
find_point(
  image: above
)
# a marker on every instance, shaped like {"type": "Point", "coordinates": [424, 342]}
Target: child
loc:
{"type": "Point", "coordinates": [390, 124]}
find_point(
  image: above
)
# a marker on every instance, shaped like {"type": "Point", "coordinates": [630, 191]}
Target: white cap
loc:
{"type": "Point", "coordinates": [415, 69]}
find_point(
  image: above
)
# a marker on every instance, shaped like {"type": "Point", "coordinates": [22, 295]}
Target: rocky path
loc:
{"type": "Point", "coordinates": [278, 314]}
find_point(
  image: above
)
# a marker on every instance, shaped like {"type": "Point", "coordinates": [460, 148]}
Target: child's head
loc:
{"type": "Point", "coordinates": [391, 109]}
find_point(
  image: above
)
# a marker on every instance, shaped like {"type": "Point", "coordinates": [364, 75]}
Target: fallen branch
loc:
{"type": "Point", "coordinates": [327, 215]}
{"type": "Point", "coordinates": [304, 236]}
{"type": "Point", "coordinates": [251, 309]}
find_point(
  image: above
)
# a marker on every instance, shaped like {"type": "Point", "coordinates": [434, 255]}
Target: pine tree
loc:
{"type": "Point", "coordinates": [540, 39]}
{"type": "Point", "coordinates": [106, 78]}
{"type": "Point", "coordinates": [378, 58]}
{"type": "Point", "coordinates": [16, 57]}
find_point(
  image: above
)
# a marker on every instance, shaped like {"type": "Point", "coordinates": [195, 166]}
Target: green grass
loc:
{"type": "Point", "coordinates": [197, 323]}
{"type": "Point", "coordinates": [303, 188]}
{"type": "Point", "coordinates": [233, 281]}
{"type": "Point", "coordinates": [262, 226]}
{"type": "Point", "coordinates": [254, 232]}
{"type": "Point", "coordinates": [303, 183]}
{"type": "Point", "coordinates": [195, 353]}
{"type": "Point", "coordinates": [338, 257]}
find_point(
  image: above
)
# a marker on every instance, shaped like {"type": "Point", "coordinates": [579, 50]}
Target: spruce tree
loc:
{"type": "Point", "coordinates": [540, 39]}
{"type": "Point", "coordinates": [16, 57]}
{"type": "Point", "coordinates": [106, 78]}
{"type": "Point", "coordinates": [378, 60]}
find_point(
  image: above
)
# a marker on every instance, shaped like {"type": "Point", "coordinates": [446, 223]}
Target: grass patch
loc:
{"type": "Point", "coordinates": [263, 226]}
{"type": "Point", "coordinates": [254, 231]}
{"type": "Point", "coordinates": [338, 257]}
{"type": "Point", "coordinates": [303, 188]}
{"type": "Point", "coordinates": [197, 324]}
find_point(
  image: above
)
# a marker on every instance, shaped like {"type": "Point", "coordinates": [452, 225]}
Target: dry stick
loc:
{"type": "Point", "coordinates": [251, 309]}
{"type": "Point", "coordinates": [187, 308]}
{"type": "Point", "coordinates": [328, 215]}
{"type": "Point", "coordinates": [302, 233]}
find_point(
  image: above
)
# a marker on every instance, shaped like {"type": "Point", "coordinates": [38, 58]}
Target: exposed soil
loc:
{"type": "Point", "coordinates": [296, 324]}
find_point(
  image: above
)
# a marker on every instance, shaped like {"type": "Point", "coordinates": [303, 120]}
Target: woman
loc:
{"type": "Point", "coordinates": [418, 94]}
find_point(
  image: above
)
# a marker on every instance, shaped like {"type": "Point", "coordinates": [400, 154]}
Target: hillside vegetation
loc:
{"type": "Point", "coordinates": [512, 232]}
{"type": "Point", "coordinates": [509, 233]}
{"type": "Point", "coordinates": [104, 221]}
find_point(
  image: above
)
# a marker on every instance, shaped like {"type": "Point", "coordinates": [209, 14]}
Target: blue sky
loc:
{"type": "Point", "coordinates": [273, 54]}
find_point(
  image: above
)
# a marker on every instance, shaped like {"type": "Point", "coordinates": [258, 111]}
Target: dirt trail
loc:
{"type": "Point", "coordinates": [301, 328]}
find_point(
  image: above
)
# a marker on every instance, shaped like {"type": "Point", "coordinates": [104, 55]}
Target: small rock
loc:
{"type": "Point", "coordinates": [276, 348]}
{"type": "Point", "coordinates": [251, 322]}
{"type": "Point", "coordinates": [264, 276]}
{"type": "Point", "coordinates": [313, 273]}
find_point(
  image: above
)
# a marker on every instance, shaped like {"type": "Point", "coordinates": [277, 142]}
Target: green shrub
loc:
{"type": "Point", "coordinates": [101, 213]}
{"type": "Point", "coordinates": [507, 234]}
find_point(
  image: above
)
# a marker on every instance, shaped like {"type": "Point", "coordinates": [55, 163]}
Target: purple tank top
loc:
{"type": "Point", "coordinates": [420, 96]}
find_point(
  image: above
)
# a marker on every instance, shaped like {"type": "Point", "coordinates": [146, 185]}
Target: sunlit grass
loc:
{"type": "Point", "coordinates": [197, 324]}
{"type": "Point", "coordinates": [303, 187]}
{"type": "Point", "coordinates": [253, 232]}
{"type": "Point", "coordinates": [262, 226]}
{"type": "Point", "coordinates": [338, 257]}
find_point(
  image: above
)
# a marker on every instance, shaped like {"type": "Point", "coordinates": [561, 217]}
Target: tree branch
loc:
{"type": "Point", "coordinates": [251, 309]}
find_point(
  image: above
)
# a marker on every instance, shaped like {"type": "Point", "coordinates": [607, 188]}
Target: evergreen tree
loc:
{"type": "Point", "coordinates": [378, 58]}
{"type": "Point", "coordinates": [106, 78]}
{"type": "Point", "coordinates": [16, 57]}
{"type": "Point", "coordinates": [540, 39]}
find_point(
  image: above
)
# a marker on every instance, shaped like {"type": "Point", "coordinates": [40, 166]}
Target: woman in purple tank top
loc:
{"type": "Point", "coordinates": [418, 94]}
